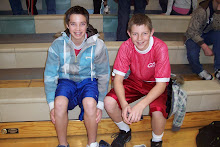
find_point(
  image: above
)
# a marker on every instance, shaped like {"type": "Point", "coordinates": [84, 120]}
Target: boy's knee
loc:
{"type": "Point", "coordinates": [89, 105]}
{"type": "Point", "coordinates": [109, 103]}
{"type": "Point", "coordinates": [61, 103]}
{"type": "Point", "coordinates": [157, 114]}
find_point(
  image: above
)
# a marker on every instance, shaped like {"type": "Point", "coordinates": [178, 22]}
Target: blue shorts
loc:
{"type": "Point", "coordinates": [77, 91]}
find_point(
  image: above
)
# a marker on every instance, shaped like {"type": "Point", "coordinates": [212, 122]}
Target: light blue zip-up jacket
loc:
{"type": "Point", "coordinates": [62, 63]}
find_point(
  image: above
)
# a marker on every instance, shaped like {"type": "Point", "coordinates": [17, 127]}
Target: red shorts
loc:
{"type": "Point", "coordinates": [134, 90]}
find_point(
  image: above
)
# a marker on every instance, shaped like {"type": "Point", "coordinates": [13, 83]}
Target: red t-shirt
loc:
{"type": "Point", "coordinates": [150, 65]}
{"type": "Point", "coordinates": [77, 51]}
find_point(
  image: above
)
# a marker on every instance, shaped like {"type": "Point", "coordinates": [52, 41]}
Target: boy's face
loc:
{"type": "Point", "coordinates": [77, 27]}
{"type": "Point", "coordinates": [140, 36]}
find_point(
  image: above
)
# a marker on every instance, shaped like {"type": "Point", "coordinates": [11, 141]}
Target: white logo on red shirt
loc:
{"type": "Point", "coordinates": [150, 65]}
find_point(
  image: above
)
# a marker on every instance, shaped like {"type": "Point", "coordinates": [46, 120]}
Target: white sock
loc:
{"type": "Point", "coordinates": [123, 126]}
{"type": "Point", "coordinates": [156, 138]}
{"type": "Point", "coordinates": [94, 144]}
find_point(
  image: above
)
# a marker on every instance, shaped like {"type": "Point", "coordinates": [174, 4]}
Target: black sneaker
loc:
{"type": "Point", "coordinates": [156, 144]}
{"type": "Point", "coordinates": [121, 138]}
{"type": "Point", "coordinates": [217, 74]}
{"type": "Point", "coordinates": [103, 143]}
{"type": "Point", "coordinates": [63, 146]}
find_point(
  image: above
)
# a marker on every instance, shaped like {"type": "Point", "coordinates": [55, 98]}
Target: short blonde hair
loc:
{"type": "Point", "coordinates": [140, 19]}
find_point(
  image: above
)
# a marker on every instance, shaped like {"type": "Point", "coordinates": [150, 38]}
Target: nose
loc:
{"type": "Point", "coordinates": [78, 27]}
{"type": "Point", "coordinates": [139, 37]}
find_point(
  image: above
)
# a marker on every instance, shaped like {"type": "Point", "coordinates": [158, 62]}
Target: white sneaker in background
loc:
{"type": "Point", "coordinates": [217, 74]}
{"type": "Point", "coordinates": [107, 9]}
{"type": "Point", "coordinates": [204, 75]}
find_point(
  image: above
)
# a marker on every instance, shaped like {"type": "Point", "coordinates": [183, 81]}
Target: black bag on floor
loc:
{"type": "Point", "coordinates": [209, 136]}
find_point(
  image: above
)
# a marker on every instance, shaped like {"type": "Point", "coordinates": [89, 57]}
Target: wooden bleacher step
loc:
{"type": "Point", "coordinates": [106, 126]}
{"type": "Point", "coordinates": [185, 137]}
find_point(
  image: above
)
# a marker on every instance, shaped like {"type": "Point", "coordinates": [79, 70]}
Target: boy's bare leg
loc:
{"type": "Point", "coordinates": [89, 105]}
{"type": "Point", "coordinates": [112, 108]}
{"type": "Point", "coordinates": [61, 119]}
{"type": "Point", "coordinates": [158, 122]}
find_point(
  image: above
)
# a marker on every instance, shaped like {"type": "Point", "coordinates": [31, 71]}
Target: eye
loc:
{"type": "Point", "coordinates": [72, 24]}
{"type": "Point", "coordinates": [83, 24]}
{"type": "Point", "coordinates": [134, 34]}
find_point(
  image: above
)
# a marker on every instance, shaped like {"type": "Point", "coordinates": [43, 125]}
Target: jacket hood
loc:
{"type": "Point", "coordinates": [205, 4]}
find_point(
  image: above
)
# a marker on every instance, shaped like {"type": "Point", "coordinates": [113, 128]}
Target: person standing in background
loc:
{"type": "Point", "coordinates": [181, 7]}
{"type": "Point", "coordinates": [123, 15]}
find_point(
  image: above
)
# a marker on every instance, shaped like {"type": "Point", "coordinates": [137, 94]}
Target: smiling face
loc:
{"type": "Point", "coordinates": [77, 27]}
{"type": "Point", "coordinates": [140, 36]}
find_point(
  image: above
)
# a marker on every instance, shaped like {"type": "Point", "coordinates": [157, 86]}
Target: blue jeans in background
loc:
{"type": "Point", "coordinates": [123, 16]}
{"type": "Point", "coordinates": [193, 50]}
{"type": "Point", "coordinates": [16, 7]}
{"type": "Point", "coordinates": [51, 6]}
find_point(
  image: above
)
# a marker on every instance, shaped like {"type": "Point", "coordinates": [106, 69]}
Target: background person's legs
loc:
{"type": "Point", "coordinates": [123, 18]}
{"type": "Point", "coordinates": [97, 6]}
{"type": "Point", "coordinates": [193, 53]}
{"type": "Point", "coordinates": [213, 38]}
{"type": "Point", "coordinates": [16, 7]}
{"type": "Point", "coordinates": [51, 6]}
{"type": "Point", "coordinates": [163, 5]}
{"type": "Point", "coordinates": [140, 6]}
{"type": "Point", "coordinates": [31, 7]}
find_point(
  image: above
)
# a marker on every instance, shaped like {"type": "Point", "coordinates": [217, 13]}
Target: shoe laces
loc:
{"type": "Point", "coordinates": [115, 135]}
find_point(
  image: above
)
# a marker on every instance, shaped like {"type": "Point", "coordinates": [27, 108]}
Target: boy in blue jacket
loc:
{"type": "Point", "coordinates": [77, 73]}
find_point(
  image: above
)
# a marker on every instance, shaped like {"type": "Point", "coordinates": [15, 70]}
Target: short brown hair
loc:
{"type": "Point", "coordinates": [140, 19]}
{"type": "Point", "coordinates": [76, 10]}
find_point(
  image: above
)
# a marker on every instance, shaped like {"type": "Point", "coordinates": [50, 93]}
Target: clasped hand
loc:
{"type": "Point", "coordinates": [131, 114]}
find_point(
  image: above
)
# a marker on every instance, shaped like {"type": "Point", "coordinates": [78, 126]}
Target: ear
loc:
{"type": "Point", "coordinates": [152, 32]}
{"type": "Point", "coordinates": [67, 26]}
{"type": "Point", "coordinates": [129, 34]}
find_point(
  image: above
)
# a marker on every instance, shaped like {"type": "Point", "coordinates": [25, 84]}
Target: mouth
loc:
{"type": "Point", "coordinates": [78, 33]}
{"type": "Point", "coordinates": [140, 43]}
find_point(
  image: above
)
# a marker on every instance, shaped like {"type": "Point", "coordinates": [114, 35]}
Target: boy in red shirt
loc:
{"type": "Point", "coordinates": [147, 58]}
